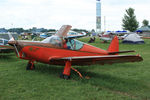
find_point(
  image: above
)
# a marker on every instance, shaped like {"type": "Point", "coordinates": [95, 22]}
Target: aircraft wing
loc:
{"type": "Point", "coordinates": [5, 49]}
{"type": "Point", "coordinates": [82, 34]}
{"type": "Point", "coordinates": [88, 60]}
{"type": "Point", "coordinates": [5, 46]}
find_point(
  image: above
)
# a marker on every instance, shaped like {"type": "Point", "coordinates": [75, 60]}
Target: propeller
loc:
{"type": "Point", "coordinates": [13, 42]}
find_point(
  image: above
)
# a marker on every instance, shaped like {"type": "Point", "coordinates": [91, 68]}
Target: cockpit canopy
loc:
{"type": "Point", "coordinates": [54, 40]}
{"type": "Point", "coordinates": [72, 44]}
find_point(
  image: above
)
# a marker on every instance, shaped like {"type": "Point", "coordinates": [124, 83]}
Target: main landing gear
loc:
{"type": "Point", "coordinates": [64, 75]}
{"type": "Point", "coordinates": [30, 65]}
{"type": "Point", "coordinates": [67, 69]}
{"type": "Point", "coordinates": [66, 72]}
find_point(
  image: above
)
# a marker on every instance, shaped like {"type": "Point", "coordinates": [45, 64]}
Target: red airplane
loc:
{"type": "Point", "coordinates": [61, 50]}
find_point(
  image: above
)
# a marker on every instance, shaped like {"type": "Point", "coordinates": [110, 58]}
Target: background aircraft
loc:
{"type": "Point", "coordinates": [60, 50]}
{"type": "Point", "coordinates": [73, 34]}
{"type": "Point", "coordinates": [3, 41]}
{"type": "Point", "coordinates": [3, 47]}
{"type": "Point", "coordinates": [43, 35]}
{"type": "Point", "coordinates": [70, 34]}
{"type": "Point", "coordinates": [106, 37]}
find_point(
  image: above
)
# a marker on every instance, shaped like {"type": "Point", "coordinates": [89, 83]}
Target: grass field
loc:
{"type": "Point", "coordinates": [125, 81]}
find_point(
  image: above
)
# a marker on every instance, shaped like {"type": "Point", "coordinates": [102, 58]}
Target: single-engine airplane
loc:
{"type": "Point", "coordinates": [106, 37]}
{"type": "Point", "coordinates": [61, 50]}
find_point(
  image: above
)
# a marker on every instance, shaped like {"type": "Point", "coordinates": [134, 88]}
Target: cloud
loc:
{"type": "Point", "coordinates": [115, 10]}
{"type": "Point", "coordinates": [78, 13]}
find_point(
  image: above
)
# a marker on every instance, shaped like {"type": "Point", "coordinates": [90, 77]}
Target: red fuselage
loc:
{"type": "Point", "coordinates": [43, 52]}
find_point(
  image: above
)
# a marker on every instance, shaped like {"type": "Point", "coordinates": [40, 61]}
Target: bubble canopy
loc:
{"type": "Point", "coordinates": [72, 44]}
{"type": "Point", "coordinates": [54, 40]}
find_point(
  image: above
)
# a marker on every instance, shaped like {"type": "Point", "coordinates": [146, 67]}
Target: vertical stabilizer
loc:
{"type": "Point", "coordinates": [62, 32]}
{"type": "Point", "coordinates": [114, 45]}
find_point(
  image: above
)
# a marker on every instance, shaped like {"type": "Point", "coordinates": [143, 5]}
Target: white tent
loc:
{"type": "Point", "coordinates": [133, 38]}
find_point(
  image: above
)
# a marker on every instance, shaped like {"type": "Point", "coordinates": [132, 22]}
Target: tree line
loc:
{"type": "Point", "coordinates": [35, 30]}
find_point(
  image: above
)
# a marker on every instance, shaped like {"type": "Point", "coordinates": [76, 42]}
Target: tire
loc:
{"type": "Point", "coordinates": [64, 76]}
{"type": "Point", "coordinates": [29, 65]}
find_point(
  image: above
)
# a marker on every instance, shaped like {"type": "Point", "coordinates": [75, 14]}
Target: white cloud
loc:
{"type": "Point", "coordinates": [78, 13]}
{"type": "Point", "coordinates": [115, 10]}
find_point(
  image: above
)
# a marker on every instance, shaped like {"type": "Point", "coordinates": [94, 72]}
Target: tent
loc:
{"type": "Point", "coordinates": [144, 29]}
{"type": "Point", "coordinates": [133, 38]}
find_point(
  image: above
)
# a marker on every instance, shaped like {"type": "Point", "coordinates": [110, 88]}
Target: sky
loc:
{"type": "Point", "coordinates": [52, 14]}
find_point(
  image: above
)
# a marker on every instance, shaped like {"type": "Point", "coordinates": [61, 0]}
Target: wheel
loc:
{"type": "Point", "coordinates": [29, 66]}
{"type": "Point", "coordinates": [64, 76]}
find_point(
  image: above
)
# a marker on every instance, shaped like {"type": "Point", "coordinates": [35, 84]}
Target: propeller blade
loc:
{"type": "Point", "coordinates": [17, 50]}
{"type": "Point", "coordinates": [11, 38]}
{"type": "Point", "coordinates": [14, 44]}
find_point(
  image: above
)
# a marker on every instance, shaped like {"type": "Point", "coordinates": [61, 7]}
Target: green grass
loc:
{"type": "Point", "coordinates": [125, 81]}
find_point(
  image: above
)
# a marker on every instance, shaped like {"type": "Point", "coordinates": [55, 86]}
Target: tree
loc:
{"type": "Point", "coordinates": [145, 22]}
{"type": "Point", "coordinates": [129, 21]}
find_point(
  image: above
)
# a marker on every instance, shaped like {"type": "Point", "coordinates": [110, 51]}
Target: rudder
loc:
{"type": "Point", "coordinates": [114, 45]}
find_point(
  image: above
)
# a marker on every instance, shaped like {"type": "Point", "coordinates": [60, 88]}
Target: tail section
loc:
{"type": "Point", "coordinates": [114, 45]}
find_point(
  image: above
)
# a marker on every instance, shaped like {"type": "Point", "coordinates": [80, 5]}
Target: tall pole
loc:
{"type": "Point", "coordinates": [104, 23]}
{"type": "Point", "coordinates": [98, 16]}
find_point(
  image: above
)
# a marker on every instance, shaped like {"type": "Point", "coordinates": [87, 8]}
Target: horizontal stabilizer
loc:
{"type": "Point", "coordinates": [112, 53]}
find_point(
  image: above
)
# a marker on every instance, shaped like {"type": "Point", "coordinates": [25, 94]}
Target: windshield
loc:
{"type": "Point", "coordinates": [74, 44]}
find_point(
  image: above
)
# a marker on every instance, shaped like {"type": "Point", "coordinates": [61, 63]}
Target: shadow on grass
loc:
{"type": "Point", "coordinates": [8, 58]}
{"type": "Point", "coordinates": [98, 80]}
{"type": "Point", "coordinates": [114, 83]}
{"type": "Point", "coordinates": [4, 57]}
{"type": "Point", "coordinates": [48, 69]}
